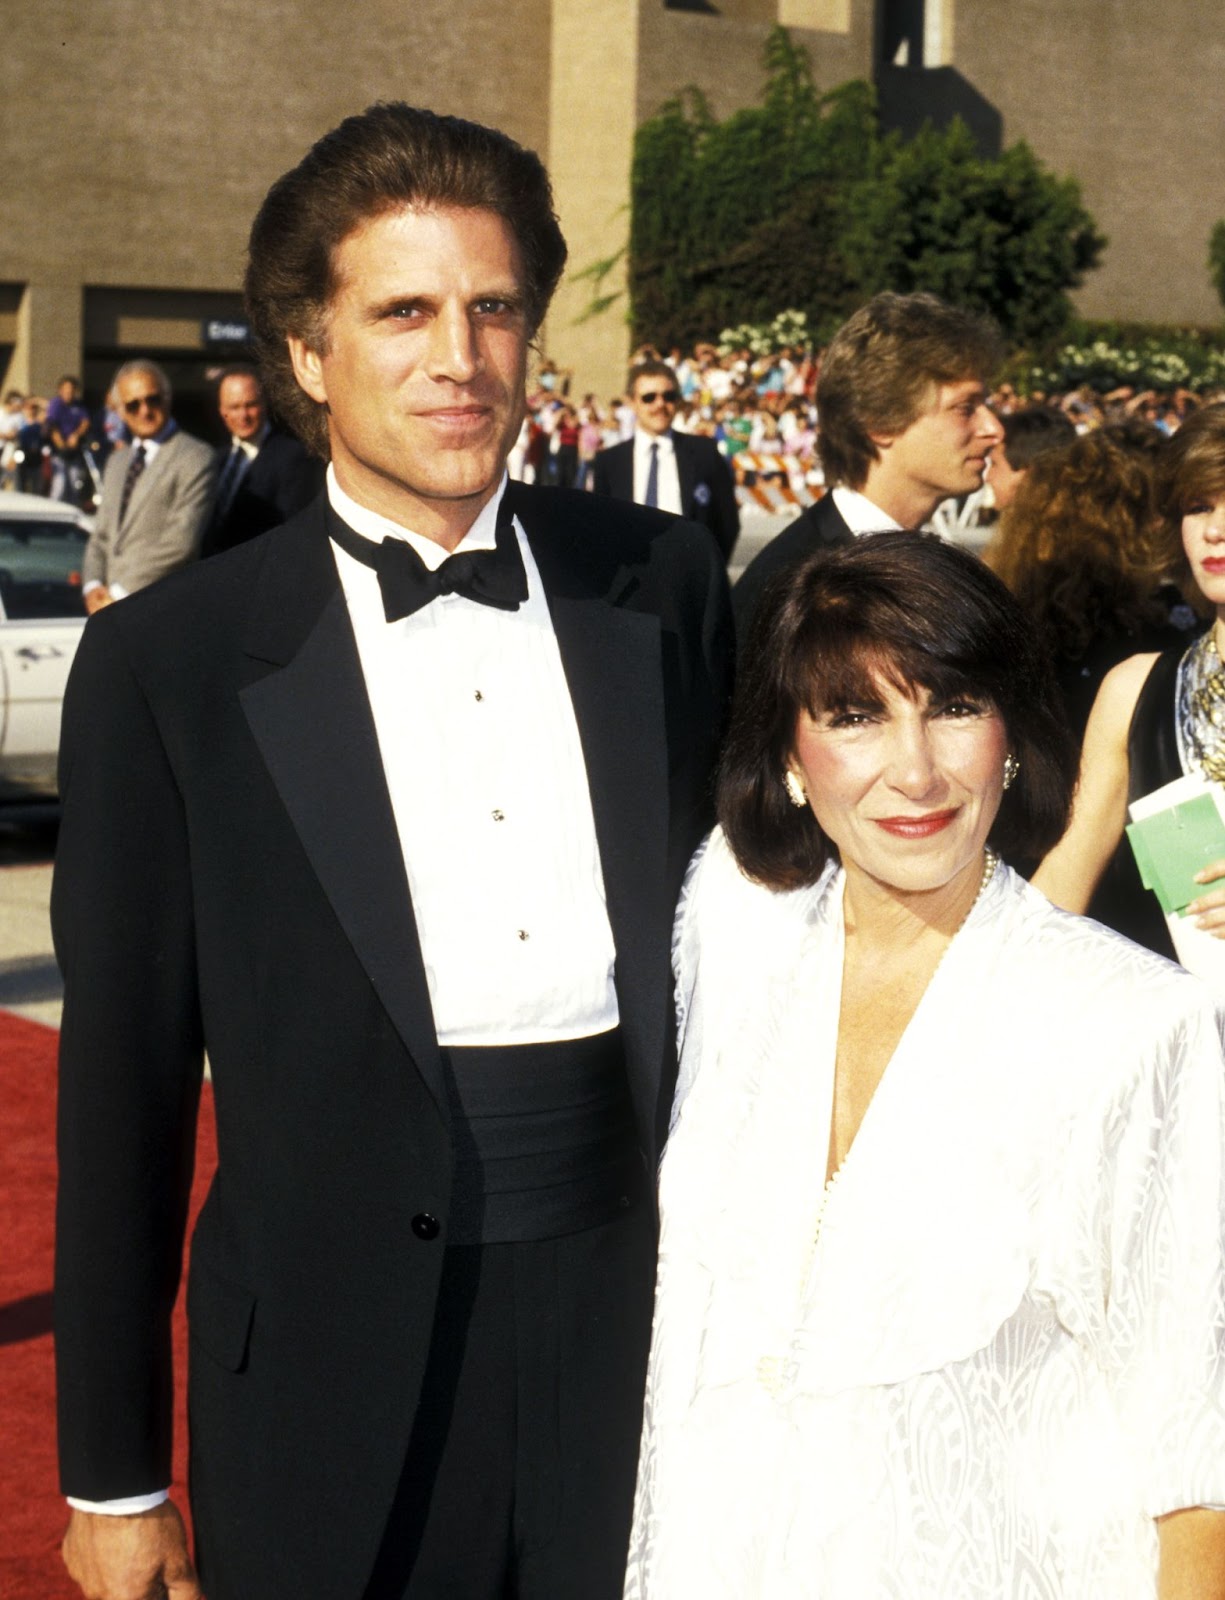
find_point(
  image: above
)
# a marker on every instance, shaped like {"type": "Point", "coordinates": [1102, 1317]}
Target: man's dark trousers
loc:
{"type": "Point", "coordinates": [229, 874]}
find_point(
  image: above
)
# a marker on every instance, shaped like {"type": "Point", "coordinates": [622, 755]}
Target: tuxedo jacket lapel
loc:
{"type": "Point", "coordinates": [613, 661]}
{"type": "Point", "coordinates": [310, 716]}
{"type": "Point", "coordinates": [621, 470]}
{"type": "Point", "coordinates": [685, 472]}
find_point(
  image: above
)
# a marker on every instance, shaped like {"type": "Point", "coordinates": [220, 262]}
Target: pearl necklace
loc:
{"type": "Point", "coordinates": [774, 1372]}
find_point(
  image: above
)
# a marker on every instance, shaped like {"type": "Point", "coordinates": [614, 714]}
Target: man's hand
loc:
{"type": "Point", "coordinates": [140, 1557]}
{"type": "Point", "coordinates": [97, 598]}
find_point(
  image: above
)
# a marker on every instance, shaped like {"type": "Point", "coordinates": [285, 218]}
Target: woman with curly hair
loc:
{"type": "Point", "coordinates": [1085, 553]}
{"type": "Point", "coordinates": [1157, 716]}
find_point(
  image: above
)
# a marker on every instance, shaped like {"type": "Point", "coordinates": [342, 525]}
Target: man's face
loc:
{"type": "Point", "coordinates": [142, 403]}
{"type": "Point", "coordinates": [425, 364]}
{"type": "Point", "coordinates": [1004, 479]}
{"type": "Point", "coordinates": [67, 391]}
{"type": "Point", "coordinates": [241, 403]}
{"type": "Point", "coordinates": [945, 449]}
{"type": "Point", "coordinates": [654, 401]}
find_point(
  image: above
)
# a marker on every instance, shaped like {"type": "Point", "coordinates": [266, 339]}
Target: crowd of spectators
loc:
{"type": "Point", "coordinates": [1066, 514]}
{"type": "Point", "coordinates": [57, 447]}
{"type": "Point", "coordinates": [760, 410]}
{"type": "Point", "coordinates": [762, 413]}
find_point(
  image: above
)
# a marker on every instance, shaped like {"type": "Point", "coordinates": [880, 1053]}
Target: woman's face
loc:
{"type": "Point", "coordinates": [905, 786]}
{"type": "Point", "coordinates": [1203, 538]}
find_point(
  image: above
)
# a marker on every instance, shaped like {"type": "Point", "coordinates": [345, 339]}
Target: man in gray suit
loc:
{"type": "Point", "coordinates": [156, 497]}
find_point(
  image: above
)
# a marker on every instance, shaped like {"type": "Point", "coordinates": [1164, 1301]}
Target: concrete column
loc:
{"type": "Point", "coordinates": [829, 16]}
{"type": "Point", "coordinates": [592, 100]}
{"type": "Point", "coordinates": [48, 344]}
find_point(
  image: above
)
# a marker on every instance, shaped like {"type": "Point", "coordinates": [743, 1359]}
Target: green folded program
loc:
{"type": "Point", "coordinates": [1173, 844]}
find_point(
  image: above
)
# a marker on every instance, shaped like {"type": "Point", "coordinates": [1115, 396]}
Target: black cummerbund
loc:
{"type": "Point", "coordinates": [544, 1139]}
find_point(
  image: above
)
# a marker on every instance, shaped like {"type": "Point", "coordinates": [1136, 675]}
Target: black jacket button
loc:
{"type": "Point", "coordinates": [425, 1226]}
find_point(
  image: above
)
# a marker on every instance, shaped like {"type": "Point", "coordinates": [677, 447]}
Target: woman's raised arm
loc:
{"type": "Point", "coordinates": [1071, 871]}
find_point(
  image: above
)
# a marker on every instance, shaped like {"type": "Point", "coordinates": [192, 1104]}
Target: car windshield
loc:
{"type": "Point", "coordinates": [40, 569]}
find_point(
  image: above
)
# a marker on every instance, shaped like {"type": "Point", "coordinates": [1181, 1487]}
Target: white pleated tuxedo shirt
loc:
{"type": "Point", "coordinates": [488, 785]}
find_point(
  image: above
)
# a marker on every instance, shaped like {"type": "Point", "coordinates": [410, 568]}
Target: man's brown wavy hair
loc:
{"type": "Point", "coordinates": [880, 370]}
{"type": "Point", "coordinates": [390, 156]}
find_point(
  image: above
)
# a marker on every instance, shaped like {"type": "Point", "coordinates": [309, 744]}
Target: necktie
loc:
{"type": "Point", "coordinates": [231, 476]}
{"type": "Point", "coordinates": [651, 498]}
{"type": "Point", "coordinates": [135, 467]}
{"type": "Point", "coordinates": [490, 577]}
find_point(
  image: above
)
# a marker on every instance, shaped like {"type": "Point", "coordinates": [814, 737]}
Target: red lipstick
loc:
{"type": "Point", "coordinates": [917, 827]}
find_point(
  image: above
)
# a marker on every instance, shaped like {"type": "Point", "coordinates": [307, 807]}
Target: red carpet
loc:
{"type": "Point", "coordinates": [32, 1513]}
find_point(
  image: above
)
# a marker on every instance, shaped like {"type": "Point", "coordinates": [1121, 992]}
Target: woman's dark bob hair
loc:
{"type": "Point", "coordinates": [919, 613]}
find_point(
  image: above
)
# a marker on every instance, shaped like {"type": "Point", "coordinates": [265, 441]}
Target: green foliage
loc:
{"type": "Point", "coordinates": [803, 202]}
{"type": "Point", "coordinates": [1108, 356]}
{"type": "Point", "coordinates": [1216, 259]}
{"type": "Point", "coordinates": [789, 329]}
{"type": "Point", "coordinates": [597, 274]}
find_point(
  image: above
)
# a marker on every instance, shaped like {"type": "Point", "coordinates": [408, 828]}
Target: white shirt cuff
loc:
{"type": "Point", "coordinates": [129, 1507]}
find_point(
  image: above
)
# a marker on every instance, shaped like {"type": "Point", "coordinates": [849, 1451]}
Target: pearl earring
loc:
{"type": "Point", "coordinates": [1011, 767]}
{"type": "Point", "coordinates": [794, 788]}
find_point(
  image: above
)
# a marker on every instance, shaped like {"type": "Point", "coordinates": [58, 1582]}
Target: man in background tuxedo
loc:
{"type": "Point", "coordinates": [678, 472]}
{"type": "Point", "coordinates": [389, 810]}
{"type": "Point", "coordinates": [264, 476]}
{"type": "Point", "coordinates": [903, 424]}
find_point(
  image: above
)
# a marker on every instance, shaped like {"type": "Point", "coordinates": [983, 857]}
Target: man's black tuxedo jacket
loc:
{"type": "Point", "coordinates": [708, 492]}
{"type": "Point", "coordinates": [820, 527]}
{"type": "Point", "coordinates": [228, 874]}
{"type": "Point", "coordinates": [282, 480]}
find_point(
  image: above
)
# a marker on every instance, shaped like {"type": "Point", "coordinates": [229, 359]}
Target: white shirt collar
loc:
{"type": "Point", "coordinates": [482, 535]}
{"type": "Point", "coordinates": [860, 514]}
{"type": "Point", "coordinates": [251, 447]}
{"type": "Point", "coordinates": [644, 440]}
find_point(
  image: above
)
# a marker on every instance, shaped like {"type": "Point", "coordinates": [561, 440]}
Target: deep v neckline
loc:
{"type": "Point", "coordinates": [901, 1049]}
{"type": "Point", "coordinates": [888, 1071]}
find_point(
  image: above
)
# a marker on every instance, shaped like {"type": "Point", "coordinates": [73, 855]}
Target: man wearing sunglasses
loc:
{"type": "Point", "coordinates": [156, 496]}
{"type": "Point", "coordinates": [679, 472]}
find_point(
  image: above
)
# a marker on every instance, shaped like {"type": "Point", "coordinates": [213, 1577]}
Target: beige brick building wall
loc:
{"type": "Point", "coordinates": [1126, 97]}
{"type": "Point", "coordinates": [138, 138]}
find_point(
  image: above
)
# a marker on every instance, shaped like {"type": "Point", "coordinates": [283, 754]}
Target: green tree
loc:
{"type": "Point", "coordinates": [1216, 259]}
{"type": "Point", "coordinates": [997, 235]}
{"type": "Point", "coordinates": [802, 201]}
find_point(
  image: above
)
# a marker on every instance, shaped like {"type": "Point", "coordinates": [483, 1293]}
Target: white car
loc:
{"type": "Point", "coordinates": [42, 543]}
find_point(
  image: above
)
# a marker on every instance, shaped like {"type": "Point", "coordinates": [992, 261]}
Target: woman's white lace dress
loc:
{"type": "Point", "coordinates": [1001, 1354]}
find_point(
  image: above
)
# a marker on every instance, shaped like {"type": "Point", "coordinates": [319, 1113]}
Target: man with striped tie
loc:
{"type": "Point", "coordinates": [156, 498]}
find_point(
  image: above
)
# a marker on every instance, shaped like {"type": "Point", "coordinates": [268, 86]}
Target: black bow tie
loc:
{"type": "Point", "coordinates": [490, 577]}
